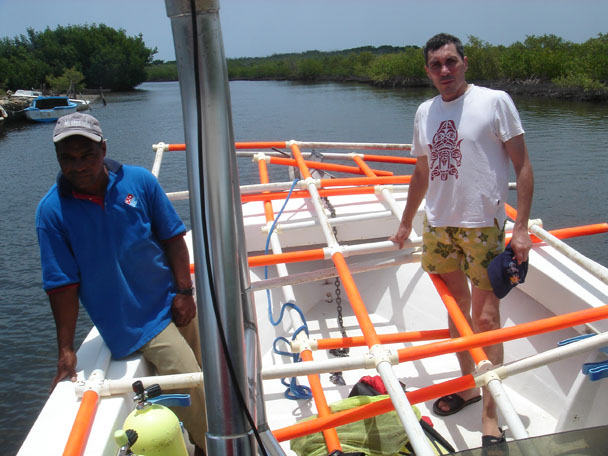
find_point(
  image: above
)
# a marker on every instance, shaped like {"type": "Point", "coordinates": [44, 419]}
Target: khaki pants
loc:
{"type": "Point", "coordinates": [177, 351]}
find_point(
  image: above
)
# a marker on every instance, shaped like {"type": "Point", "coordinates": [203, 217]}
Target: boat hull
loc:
{"type": "Point", "coordinates": [398, 297]}
{"type": "Point", "coordinates": [49, 109]}
{"type": "Point", "coordinates": [49, 115]}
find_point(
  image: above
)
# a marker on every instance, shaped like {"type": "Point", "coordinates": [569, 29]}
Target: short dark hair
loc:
{"type": "Point", "coordinates": [440, 40]}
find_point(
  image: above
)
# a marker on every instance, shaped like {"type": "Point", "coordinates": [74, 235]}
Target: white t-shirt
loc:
{"type": "Point", "coordinates": [468, 164]}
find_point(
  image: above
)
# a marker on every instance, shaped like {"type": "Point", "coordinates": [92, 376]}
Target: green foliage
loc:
{"type": "Point", "coordinates": [546, 58]}
{"type": "Point", "coordinates": [106, 57]}
{"type": "Point", "coordinates": [70, 79]}
{"type": "Point", "coordinates": [483, 60]}
{"type": "Point", "coordinates": [406, 65]}
{"type": "Point", "coordinates": [582, 81]}
{"type": "Point", "coordinates": [594, 63]}
{"type": "Point", "coordinates": [359, 63]}
{"type": "Point", "coordinates": [161, 71]}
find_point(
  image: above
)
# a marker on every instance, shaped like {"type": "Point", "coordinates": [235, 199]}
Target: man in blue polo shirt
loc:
{"type": "Point", "coordinates": [110, 238]}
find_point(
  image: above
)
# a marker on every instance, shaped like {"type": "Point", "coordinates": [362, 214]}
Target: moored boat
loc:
{"type": "Point", "coordinates": [27, 93]}
{"type": "Point", "coordinates": [49, 109]}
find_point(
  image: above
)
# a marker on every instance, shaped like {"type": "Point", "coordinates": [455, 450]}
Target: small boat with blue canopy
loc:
{"type": "Point", "coordinates": [49, 109]}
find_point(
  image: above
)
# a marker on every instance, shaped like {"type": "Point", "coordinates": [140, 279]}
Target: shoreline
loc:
{"type": "Point", "coordinates": [15, 105]}
{"type": "Point", "coordinates": [532, 87]}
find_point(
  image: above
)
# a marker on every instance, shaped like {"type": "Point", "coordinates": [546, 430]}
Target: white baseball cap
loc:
{"type": "Point", "coordinates": [77, 124]}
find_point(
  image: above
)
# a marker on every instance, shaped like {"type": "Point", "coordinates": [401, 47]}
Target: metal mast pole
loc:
{"type": "Point", "coordinates": [218, 239]}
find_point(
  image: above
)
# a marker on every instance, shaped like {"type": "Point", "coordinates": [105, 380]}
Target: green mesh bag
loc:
{"type": "Point", "coordinates": [382, 435]}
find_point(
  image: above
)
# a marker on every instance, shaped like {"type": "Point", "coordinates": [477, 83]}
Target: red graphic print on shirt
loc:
{"type": "Point", "coordinates": [445, 151]}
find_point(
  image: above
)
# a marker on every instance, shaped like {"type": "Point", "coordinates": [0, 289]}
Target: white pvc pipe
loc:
{"type": "Point", "coordinates": [380, 246]}
{"type": "Point", "coordinates": [336, 221]}
{"type": "Point", "coordinates": [318, 367]}
{"type": "Point", "coordinates": [96, 377]}
{"type": "Point", "coordinates": [363, 361]}
{"type": "Point", "coordinates": [161, 145]}
{"type": "Point", "coordinates": [328, 273]}
{"type": "Point", "coordinates": [555, 354]}
{"type": "Point", "coordinates": [505, 406]}
{"type": "Point", "coordinates": [493, 378]}
{"type": "Point", "coordinates": [590, 266]}
{"type": "Point", "coordinates": [334, 156]}
{"type": "Point", "coordinates": [351, 145]}
{"type": "Point", "coordinates": [178, 196]}
{"type": "Point", "coordinates": [166, 382]}
{"type": "Point", "coordinates": [288, 294]}
{"type": "Point", "coordinates": [323, 220]}
{"type": "Point", "coordinates": [404, 410]}
{"type": "Point", "coordinates": [269, 187]}
{"type": "Point", "coordinates": [158, 158]}
{"type": "Point", "coordinates": [396, 209]}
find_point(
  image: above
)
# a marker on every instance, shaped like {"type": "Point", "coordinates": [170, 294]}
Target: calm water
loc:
{"type": "Point", "coordinates": [567, 143]}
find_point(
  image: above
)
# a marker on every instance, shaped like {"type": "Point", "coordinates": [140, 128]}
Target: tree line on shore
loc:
{"type": "Point", "coordinates": [98, 56]}
{"type": "Point", "coordinates": [575, 70]}
{"type": "Point", "coordinates": [74, 57]}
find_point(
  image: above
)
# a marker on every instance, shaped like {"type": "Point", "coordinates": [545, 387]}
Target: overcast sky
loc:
{"type": "Point", "coordinates": [256, 28]}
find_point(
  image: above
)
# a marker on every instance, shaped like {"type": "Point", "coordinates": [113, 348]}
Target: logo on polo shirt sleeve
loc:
{"type": "Point", "coordinates": [131, 200]}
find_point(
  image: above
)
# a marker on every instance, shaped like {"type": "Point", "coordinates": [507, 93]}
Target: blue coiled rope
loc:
{"type": "Point", "coordinates": [293, 391]}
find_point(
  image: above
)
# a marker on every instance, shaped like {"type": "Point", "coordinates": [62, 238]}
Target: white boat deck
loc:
{"type": "Point", "coordinates": [398, 298]}
{"type": "Point", "coordinates": [461, 429]}
{"type": "Point", "coordinates": [402, 298]}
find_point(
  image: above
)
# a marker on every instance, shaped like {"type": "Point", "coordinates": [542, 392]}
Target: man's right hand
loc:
{"type": "Point", "coordinates": [402, 234]}
{"type": "Point", "coordinates": [66, 367]}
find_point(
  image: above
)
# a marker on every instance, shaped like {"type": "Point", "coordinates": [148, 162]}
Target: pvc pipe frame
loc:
{"type": "Point", "coordinates": [316, 254]}
{"type": "Point", "coordinates": [167, 382]}
{"type": "Point", "coordinates": [250, 193]}
{"type": "Point", "coordinates": [448, 387]}
{"type": "Point", "coordinates": [329, 273]}
{"type": "Point", "coordinates": [494, 386]}
{"type": "Point", "coordinates": [454, 345]}
{"type": "Point", "coordinates": [255, 145]}
{"type": "Point", "coordinates": [379, 354]}
{"type": "Point", "coordinates": [377, 408]}
{"type": "Point", "coordinates": [330, 435]}
{"type": "Point", "coordinates": [325, 253]}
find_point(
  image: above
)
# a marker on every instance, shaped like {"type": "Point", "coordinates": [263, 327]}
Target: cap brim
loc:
{"type": "Point", "coordinates": [499, 282]}
{"type": "Point", "coordinates": [67, 134]}
{"type": "Point", "coordinates": [501, 290]}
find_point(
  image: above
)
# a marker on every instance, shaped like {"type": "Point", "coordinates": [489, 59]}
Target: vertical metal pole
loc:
{"type": "Point", "coordinates": [218, 239]}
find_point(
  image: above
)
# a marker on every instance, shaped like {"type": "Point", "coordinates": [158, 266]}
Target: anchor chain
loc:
{"type": "Point", "coordinates": [336, 377]}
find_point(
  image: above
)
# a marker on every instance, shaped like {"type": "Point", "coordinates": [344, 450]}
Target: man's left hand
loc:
{"type": "Point", "coordinates": [521, 245]}
{"type": "Point", "coordinates": [183, 309]}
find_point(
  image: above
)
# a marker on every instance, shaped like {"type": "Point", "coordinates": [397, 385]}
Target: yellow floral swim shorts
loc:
{"type": "Point", "coordinates": [448, 249]}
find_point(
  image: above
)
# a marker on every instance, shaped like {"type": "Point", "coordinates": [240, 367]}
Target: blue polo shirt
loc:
{"type": "Point", "coordinates": [112, 248]}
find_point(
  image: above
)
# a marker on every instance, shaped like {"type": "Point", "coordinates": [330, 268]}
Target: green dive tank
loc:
{"type": "Point", "coordinates": [151, 429]}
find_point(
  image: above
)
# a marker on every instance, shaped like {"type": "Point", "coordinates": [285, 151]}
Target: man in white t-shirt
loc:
{"type": "Point", "coordinates": [463, 140]}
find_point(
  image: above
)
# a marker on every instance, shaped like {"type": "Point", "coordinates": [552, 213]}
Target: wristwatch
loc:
{"type": "Point", "coordinates": [185, 291]}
